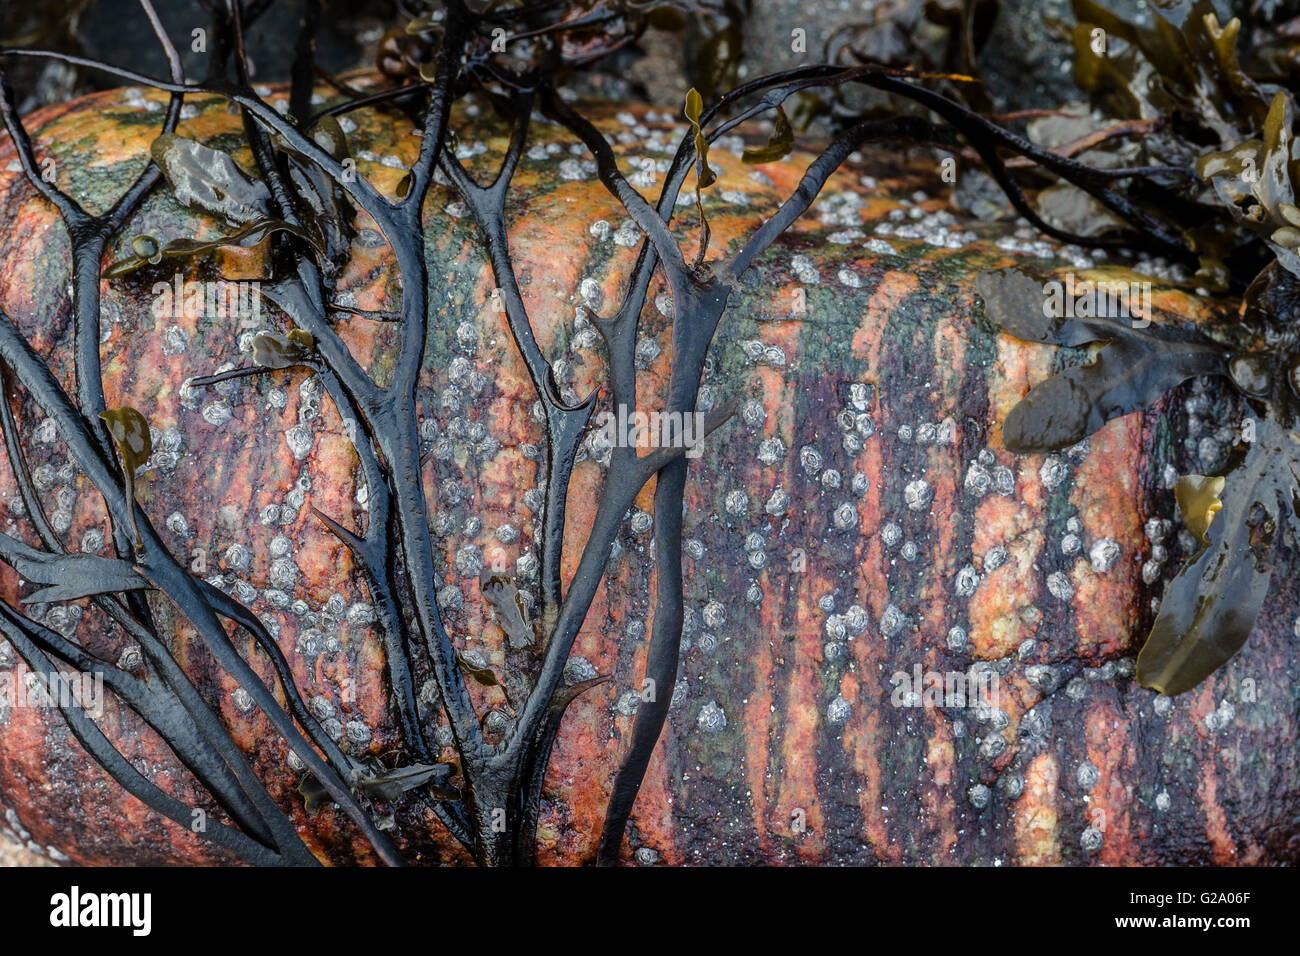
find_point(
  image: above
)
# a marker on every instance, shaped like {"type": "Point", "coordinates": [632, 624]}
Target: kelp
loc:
{"type": "Point", "coordinates": [210, 182]}
{"type": "Point", "coordinates": [503, 752]}
{"type": "Point", "coordinates": [1235, 133]}
{"type": "Point", "coordinates": [391, 784]}
{"type": "Point", "coordinates": [1133, 366]}
{"type": "Point", "coordinates": [433, 781]}
{"type": "Point", "coordinates": [704, 174]}
{"type": "Point", "coordinates": [145, 250]}
{"type": "Point", "coordinates": [1210, 607]}
{"type": "Point", "coordinates": [1184, 68]}
{"type": "Point", "coordinates": [327, 215]}
{"type": "Point", "coordinates": [1256, 182]}
{"type": "Point", "coordinates": [68, 577]}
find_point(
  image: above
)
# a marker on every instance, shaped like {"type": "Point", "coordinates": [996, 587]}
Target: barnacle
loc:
{"type": "Point", "coordinates": [1184, 72]}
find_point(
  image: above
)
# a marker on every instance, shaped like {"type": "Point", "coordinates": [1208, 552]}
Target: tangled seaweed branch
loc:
{"type": "Point", "coordinates": [302, 203]}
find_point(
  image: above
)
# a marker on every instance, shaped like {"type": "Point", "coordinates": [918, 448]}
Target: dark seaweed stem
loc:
{"type": "Point", "coordinates": [699, 299]}
{"type": "Point", "coordinates": [507, 778]}
{"type": "Point", "coordinates": [496, 815]}
{"type": "Point", "coordinates": [986, 138]}
{"type": "Point", "coordinates": [565, 425]}
{"type": "Point", "coordinates": [169, 702]}
{"type": "Point", "coordinates": [362, 401]}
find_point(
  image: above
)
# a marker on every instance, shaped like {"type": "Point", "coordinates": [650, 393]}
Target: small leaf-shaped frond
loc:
{"type": "Point", "coordinates": [313, 792]}
{"type": "Point", "coordinates": [134, 445]}
{"type": "Point", "coordinates": [391, 784]}
{"type": "Point", "coordinates": [423, 24]}
{"type": "Point", "coordinates": [1209, 609]}
{"type": "Point", "coordinates": [276, 351]}
{"type": "Point", "coordinates": [329, 136]}
{"type": "Point", "coordinates": [564, 696]}
{"type": "Point", "coordinates": [694, 108]}
{"type": "Point", "coordinates": [778, 145]}
{"type": "Point", "coordinates": [484, 675]}
{"type": "Point", "coordinates": [145, 249]}
{"type": "Point", "coordinates": [1133, 368]}
{"type": "Point", "coordinates": [69, 576]}
{"type": "Point", "coordinates": [210, 181]}
{"type": "Point", "coordinates": [1198, 498]}
{"type": "Point", "coordinates": [131, 433]}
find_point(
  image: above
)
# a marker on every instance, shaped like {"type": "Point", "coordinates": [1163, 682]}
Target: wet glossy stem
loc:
{"type": "Point", "coordinates": [88, 445]}
{"type": "Point", "coordinates": [390, 417]}
{"type": "Point", "coordinates": [230, 373]}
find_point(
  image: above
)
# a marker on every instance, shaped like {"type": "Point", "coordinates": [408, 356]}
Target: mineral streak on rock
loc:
{"type": "Point", "coordinates": [784, 742]}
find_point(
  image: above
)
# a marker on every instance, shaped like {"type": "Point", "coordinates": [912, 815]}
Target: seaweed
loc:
{"type": "Point", "coordinates": [1210, 607]}
{"type": "Point", "coordinates": [1132, 368]}
{"type": "Point", "coordinates": [301, 199]}
{"type": "Point", "coordinates": [1237, 134]}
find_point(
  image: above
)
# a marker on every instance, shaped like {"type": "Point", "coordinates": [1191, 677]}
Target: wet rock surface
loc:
{"type": "Point", "coordinates": [854, 530]}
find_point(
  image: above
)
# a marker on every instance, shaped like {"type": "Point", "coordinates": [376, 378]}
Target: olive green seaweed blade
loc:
{"type": "Point", "coordinates": [209, 180]}
{"type": "Point", "coordinates": [1205, 618]}
{"type": "Point", "coordinates": [779, 144]}
{"type": "Point", "coordinates": [1209, 609]}
{"type": "Point", "coordinates": [1132, 372]}
{"type": "Point", "coordinates": [1013, 301]}
{"type": "Point", "coordinates": [694, 109]}
{"type": "Point", "coordinates": [146, 251]}
{"type": "Point", "coordinates": [276, 351]}
{"type": "Point", "coordinates": [130, 431]}
{"type": "Point", "coordinates": [1133, 367]}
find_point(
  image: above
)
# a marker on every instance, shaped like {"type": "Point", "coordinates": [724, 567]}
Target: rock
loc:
{"type": "Point", "coordinates": [790, 739]}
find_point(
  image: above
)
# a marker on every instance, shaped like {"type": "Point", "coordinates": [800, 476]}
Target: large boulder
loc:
{"type": "Point", "coordinates": [858, 522]}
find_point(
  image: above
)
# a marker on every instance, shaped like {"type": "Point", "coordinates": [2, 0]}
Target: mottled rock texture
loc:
{"type": "Point", "coordinates": [857, 518]}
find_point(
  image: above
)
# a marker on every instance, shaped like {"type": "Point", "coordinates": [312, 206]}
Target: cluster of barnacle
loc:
{"type": "Point", "coordinates": [303, 204]}
{"type": "Point", "coordinates": [1220, 148]}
